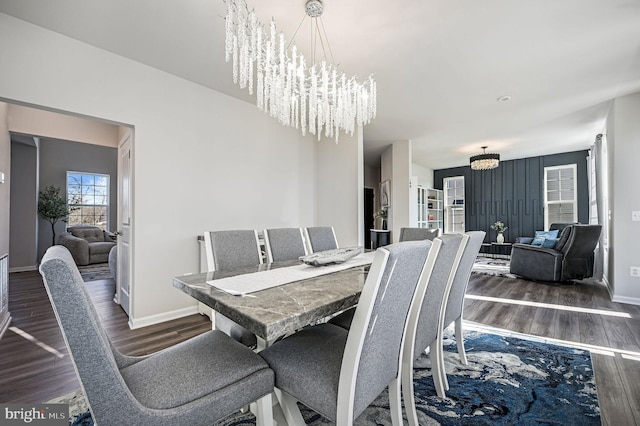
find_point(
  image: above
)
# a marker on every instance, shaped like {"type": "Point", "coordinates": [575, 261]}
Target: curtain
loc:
{"type": "Point", "coordinates": [599, 200]}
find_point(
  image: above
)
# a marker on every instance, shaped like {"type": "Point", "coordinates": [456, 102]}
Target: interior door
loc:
{"type": "Point", "coordinates": [123, 280]}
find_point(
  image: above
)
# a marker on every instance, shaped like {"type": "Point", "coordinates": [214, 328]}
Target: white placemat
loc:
{"type": "Point", "coordinates": [249, 283]}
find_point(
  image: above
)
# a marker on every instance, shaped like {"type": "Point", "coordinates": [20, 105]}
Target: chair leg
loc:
{"type": "Point", "coordinates": [264, 411]}
{"type": "Point", "coordinates": [441, 367]}
{"type": "Point", "coordinates": [460, 341]}
{"type": "Point", "coordinates": [407, 393]}
{"type": "Point", "coordinates": [395, 402]}
{"type": "Point", "coordinates": [289, 406]}
{"type": "Point", "coordinates": [436, 372]}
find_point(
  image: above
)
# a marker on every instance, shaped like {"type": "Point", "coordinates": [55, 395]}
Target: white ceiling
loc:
{"type": "Point", "coordinates": [440, 65]}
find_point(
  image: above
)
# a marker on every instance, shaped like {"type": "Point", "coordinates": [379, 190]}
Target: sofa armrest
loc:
{"type": "Point", "coordinates": [536, 262]}
{"type": "Point", "coordinates": [78, 247]}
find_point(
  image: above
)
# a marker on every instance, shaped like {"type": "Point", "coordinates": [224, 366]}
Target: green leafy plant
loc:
{"type": "Point", "coordinates": [52, 207]}
{"type": "Point", "coordinates": [499, 226]}
{"type": "Point", "coordinates": [381, 213]}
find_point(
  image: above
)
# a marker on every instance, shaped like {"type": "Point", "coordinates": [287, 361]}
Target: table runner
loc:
{"type": "Point", "coordinates": [241, 285]}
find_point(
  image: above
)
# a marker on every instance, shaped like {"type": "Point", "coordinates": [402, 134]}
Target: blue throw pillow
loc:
{"type": "Point", "coordinates": [541, 235]}
{"type": "Point", "coordinates": [549, 242]}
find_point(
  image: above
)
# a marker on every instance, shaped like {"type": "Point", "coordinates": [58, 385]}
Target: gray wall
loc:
{"type": "Point", "coordinates": [56, 158]}
{"type": "Point", "coordinates": [24, 202]}
{"type": "Point", "coordinates": [513, 193]}
{"type": "Point", "coordinates": [5, 167]}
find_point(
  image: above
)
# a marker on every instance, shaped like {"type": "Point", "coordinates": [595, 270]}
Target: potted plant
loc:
{"type": "Point", "coordinates": [382, 213]}
{"type": "Point", "coordinates": [500, 227]}
{"type": "Point", "coordinates": [52, 207]}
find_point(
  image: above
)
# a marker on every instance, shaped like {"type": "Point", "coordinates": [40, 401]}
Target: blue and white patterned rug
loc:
{"type": "Point", "coordinates": [489, 266]}
{"type": "Point", "coordinates": [509, 380]}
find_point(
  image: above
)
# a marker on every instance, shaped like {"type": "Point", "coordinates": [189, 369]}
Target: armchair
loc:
{"type": "Point", "coordinates": [571, 258]}
{"type": "Point", "coordinates": [87, 244]}
{"type": "Point", "coordinates": [559, 226]}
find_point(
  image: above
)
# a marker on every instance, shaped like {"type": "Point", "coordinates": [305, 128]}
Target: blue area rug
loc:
{"type": "Point", "coordinates": [509, 380]}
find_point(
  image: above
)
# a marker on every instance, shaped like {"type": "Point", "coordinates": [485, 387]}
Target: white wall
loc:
{"type": "Point", "coordinates": [624, 153]}
{"type": "Point", "coordinates": [396, 166]}
{"type": "Point", "coordinates": [424, 175]}
{"type": "Point", "coordinates": [32, 121]}
{"type": "Point", "coordinates": [340, 195]}
{"type": "Point", "coordinates": [203, 160]}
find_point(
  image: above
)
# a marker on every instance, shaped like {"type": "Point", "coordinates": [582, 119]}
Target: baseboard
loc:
{"type": "Point", "coordinates": [160, 318]}
{"type": "Point", "coordinates": [23, 269]}
{"type": "Point", "coordinates": [625, 299]}
{"type": "Point", "coordinates": [605, 281]}
{"type": "Point", "coordinates": [619, 299]}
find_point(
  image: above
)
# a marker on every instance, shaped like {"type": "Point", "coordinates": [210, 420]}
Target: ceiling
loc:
{"type": "Point", "coordinates": [440, 65]}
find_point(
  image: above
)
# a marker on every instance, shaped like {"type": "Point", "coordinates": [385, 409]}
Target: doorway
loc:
{"type": "Point", "coordinates": [57, 142]}
{"type": "Point", "coordinates": [369, 198]}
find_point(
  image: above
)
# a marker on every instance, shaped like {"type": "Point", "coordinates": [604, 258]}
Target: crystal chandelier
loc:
{"type": "Point", "coordinates": [307, 97]}
{"type": "Point", "coordinates": [484, 161]}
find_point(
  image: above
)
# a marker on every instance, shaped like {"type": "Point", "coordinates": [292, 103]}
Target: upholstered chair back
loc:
{"type": "Point", "coordinates": [379, 322]}
{"type": "Point", "coordinates": [461, 279]}
{"type": "Point", "coordinates": [232, 249]}
{"type": "Point", "coordinates": [89, 345]}
{"type": "Point", "coordinates": [416, 234]}
{"type": "Point", "coordinates": [441, 278]}
{"type": "Point", "coordinates": [284, 244]}
{"type": "Point", "coordinates": [321, 238]}
{"type": "Point", "coordinates": [92, 234]}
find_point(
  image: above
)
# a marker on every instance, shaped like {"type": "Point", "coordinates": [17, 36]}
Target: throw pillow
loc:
{"type": "Point", "coordinates": [549, 242]}
{"type": "Point", "coordinates": [541, 235]}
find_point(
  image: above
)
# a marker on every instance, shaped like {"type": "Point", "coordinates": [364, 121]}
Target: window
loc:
{"type": "Point", "coordinates": [88, 197]}
{"type": "Point", "coordinates": [454, 204]}
{"type": "Point", "coordinates": [560, 199]}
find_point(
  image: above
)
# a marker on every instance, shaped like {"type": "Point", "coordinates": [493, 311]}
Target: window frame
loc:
{"type": "Point", "coordinates": [449, 207]}
{"type": "Point", "coordinates": [574, 202]}
{"type": "Point", "coordinates": [80, 205]}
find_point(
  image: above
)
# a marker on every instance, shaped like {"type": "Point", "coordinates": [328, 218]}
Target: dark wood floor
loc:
{"type": "Point", "coordinates": [579, 313]}
{"type": "Point", "coordinates": [31, 371]}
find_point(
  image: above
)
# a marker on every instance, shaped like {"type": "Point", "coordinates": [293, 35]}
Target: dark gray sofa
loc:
{"type": "Point", "coordinates": [571, 258]}
{"type": "Point", "coordinates": [87, 244]}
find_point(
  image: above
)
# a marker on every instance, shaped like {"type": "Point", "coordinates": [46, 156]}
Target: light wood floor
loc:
{"type": "Point", "coordinates": [30, 370]}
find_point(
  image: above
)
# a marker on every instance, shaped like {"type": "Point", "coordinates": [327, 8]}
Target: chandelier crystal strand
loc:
{"type": "Point", "coordinates": [303, 103]}
{"type": "Point", "coordinates": [243, 45]}
{"type": "Point", "coordinates": [228, 29]}
{"type": "Point", "coordinates": [259, 71]}
{"type": "Point", "coordinates": [252, 47]}
{"type": "Point", "coordinates": [313, 101]}
{"type": "Point", "coordinates": [296, 95]}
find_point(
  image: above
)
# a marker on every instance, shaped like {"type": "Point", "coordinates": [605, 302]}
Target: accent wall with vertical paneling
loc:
{"type": "Point", "coordinates": [513, 193]}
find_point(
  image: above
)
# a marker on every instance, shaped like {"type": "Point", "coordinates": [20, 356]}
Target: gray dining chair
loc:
{"type": "Point", "coordinates": [426, 317]}
{"type": "Point", "coordinates": [229, 250]}
{"type": "Point", "coordinates": [196, 382]}
{"type": "Point", "coordinates": [338, 372]}
{"type": "Point", "coordinates": [455, 302]}
{"type": "Point", "coordinates": [416, 234]}
{"type": "Point", "coordinates": [321, 238]}
{"type": "Point", "coordinates": [284, 244]}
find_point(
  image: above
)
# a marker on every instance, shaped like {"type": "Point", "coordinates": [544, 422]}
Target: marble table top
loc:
{"type": "Point", "coordinates": [278, 311]}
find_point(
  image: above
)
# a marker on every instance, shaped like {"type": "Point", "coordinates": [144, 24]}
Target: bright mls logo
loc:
{"type": "Point", "coordinates": [34, 414]}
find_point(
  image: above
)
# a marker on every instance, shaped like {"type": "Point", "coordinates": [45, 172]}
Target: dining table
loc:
{"type": "Point", "coordinates": [273, 300]}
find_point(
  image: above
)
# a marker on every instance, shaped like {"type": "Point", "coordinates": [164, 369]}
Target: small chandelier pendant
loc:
{"type": "Point", "coordinates": [309, 98]}
{"type": "Point", "coordinates": [484, 161]}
